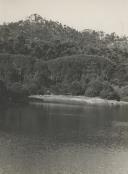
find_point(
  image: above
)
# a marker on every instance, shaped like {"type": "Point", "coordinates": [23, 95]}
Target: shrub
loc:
{"type": "Point", "coordinates": [94, 88]}
{"type": "Point", "coordinates": [109, 93]}
{"type": "Point", "coordinates": [31, 88]}
{"type": "Point", "coordinates": [3, 93]}
{"type": "Point", "coordinates": [102, 89]}
{"type": "Point", "coordinates": [17, 93]}
{"type": "Point", "coordinates": [76, 88]}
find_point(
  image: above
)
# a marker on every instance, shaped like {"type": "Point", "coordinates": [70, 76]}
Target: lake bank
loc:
{"type": "Point", "coordinates": [74, 100]}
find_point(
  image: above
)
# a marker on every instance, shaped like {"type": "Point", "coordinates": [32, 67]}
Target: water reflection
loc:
{"type": "Point", "coordinates": [55, 139]}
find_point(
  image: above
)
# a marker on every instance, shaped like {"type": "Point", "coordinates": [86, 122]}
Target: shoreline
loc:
{"type": "Point", "coordinates": [63, 99]}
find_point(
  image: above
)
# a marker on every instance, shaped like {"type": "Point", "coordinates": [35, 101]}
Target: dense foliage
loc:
{"type": "Point", "coordinates": [38, 56]}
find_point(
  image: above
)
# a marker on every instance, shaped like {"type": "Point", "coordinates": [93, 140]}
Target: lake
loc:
{"type": "Point", "coordinates": [64, 139]}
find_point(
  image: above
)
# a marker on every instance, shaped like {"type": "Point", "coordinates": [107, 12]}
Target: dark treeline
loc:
{"type": "Point", "coordinates": [38, 56]}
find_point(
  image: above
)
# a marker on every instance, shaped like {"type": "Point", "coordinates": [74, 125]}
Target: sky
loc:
{"type": "Point", "coordinates": [102, 15]}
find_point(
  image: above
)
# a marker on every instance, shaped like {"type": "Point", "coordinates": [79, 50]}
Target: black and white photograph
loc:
{"type": "Point", "coordinates": [63, 86]}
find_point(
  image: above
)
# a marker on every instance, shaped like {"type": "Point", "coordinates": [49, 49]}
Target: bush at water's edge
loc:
{"type": "Point", "coordinates": [18, 93]}
{"type": "Point", "coordinates": [12, 94]}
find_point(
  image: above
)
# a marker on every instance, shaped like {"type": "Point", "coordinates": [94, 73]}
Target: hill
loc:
{"type": "Point", "coordinates": [39, 55]}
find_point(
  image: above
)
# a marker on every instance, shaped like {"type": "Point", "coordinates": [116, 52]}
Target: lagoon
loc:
{"type": "Point", "coordinates": [53, 138]}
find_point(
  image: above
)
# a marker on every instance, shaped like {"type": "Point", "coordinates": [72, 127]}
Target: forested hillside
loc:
{"type": "Point", "coordinates": [38, 56]}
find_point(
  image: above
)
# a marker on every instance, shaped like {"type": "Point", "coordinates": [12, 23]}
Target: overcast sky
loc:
{"type": "Point", "coordinates": [107, 15]}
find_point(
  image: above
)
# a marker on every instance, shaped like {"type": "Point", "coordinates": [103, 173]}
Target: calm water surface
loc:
{"type": "Point", "coordinates": [64, 139]}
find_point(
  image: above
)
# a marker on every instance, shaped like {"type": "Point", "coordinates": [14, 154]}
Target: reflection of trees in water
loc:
{"type": "Point", "coordinates": [64, 123]}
